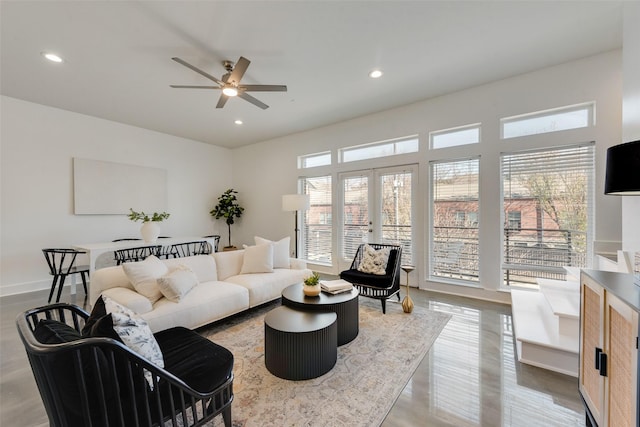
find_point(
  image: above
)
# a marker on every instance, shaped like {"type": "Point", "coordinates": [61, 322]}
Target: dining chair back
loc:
{"type": "Point", "coordinates": [62, 263]}
{"type": "Point", "coordinates": [137, 254]}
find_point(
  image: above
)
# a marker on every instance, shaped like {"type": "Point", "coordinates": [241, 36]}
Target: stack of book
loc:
{"type": "Point", "coordinates": [335, 286]}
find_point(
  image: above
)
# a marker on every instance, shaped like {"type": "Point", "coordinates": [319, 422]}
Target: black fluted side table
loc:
{"type": "Point", "coordinates": [344, 305]}
{"type": "Point", "coordinates": [300, 345]}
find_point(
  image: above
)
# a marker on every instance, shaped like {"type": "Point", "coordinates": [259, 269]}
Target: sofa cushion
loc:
{"type": "Point", "coordinates": [258, 259]}
{"type": "Point", "coordinates": [265, 287]}
{"type": "Point", "coordinates": [207, 302]}
{"type": "Point", "coordinates": [197, 361]}
{"type": "Point", "coordinates": [178, 283]}
{"type": "Point", "coordinates": [144, 274]}
{"type": "Point", "coordinates": [204, 266]}
{"type": "Point", "coordinates": [130, 299]}
{"type": "Point", "coordinates": [280, 250]}
{"type": "Point", "coordinates": [228, 263]}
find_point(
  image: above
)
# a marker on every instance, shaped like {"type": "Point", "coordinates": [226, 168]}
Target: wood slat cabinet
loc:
{"type": "Point", "coordinates": [608, 371]}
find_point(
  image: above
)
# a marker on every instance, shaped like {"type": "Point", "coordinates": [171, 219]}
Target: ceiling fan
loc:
{"type": "Point", "coordinates": [230, 83]}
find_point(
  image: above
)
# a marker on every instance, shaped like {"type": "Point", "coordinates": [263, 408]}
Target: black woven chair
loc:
{"type": "Point", "coordinates": [216, 241]}
{"type": "Point", "coordinates": [101, 382]}
{"type": "Point", "coordinates": [376, 286]}
{"type": "Point", "coordinates": [180, 250]}
{"type": "Point", "coordinates": [136, 254]}
{"type": "Point", "coordinates": [62, 263]}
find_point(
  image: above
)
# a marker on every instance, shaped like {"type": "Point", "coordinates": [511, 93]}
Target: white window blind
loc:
{"type": "Point", "coordinates": [316, 221]}
{"type": "Point", "coordinates": [454, 228]}
{"type": "Point", "coordinates": [552, 192]}
{"type": "Point", "coordinates": [356, 214]}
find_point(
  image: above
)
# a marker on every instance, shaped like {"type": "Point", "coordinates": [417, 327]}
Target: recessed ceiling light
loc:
{"type": "Point", "coordinates": [52, 57]}
{"type": "Point", "coordinates": [238, 122]}
{"type": "Point", "coordinates": [375, 74]}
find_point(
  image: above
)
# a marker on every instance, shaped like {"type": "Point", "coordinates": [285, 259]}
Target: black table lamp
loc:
{"type": "Point", "coordinates": [623, 170]}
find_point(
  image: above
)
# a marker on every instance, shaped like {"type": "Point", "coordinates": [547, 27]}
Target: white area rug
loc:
{"type": "Point", "coordinates": [369, 375]}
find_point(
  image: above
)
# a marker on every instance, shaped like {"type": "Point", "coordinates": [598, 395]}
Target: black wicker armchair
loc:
{"type": "Point", "coordinates": [101, 382]}
{"type": "Point", "coordinates": [376, 286]}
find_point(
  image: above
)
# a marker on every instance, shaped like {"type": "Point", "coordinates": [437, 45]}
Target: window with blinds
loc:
{"type": "Point", "coordinates": [547, 212]}
{"type": "Point", "coordinates": [356, 214]}
{"type": "Point", "coordinates": [455, 199]}
{"type": "Point", "coordinates": [317, 220]}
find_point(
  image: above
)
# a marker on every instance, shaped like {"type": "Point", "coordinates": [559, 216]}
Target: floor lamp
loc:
{"type": "Point", "coordinates": [294, 203]}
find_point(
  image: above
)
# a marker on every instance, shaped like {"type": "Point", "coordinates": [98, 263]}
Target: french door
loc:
{"type": "Point", "coordinates": [377, 207]}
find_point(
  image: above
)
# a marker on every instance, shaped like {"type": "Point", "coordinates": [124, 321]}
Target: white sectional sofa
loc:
{"type": "Point", "coordinates": [227, 283]}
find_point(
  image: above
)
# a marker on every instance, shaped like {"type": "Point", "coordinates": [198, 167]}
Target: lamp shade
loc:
{"type": "Point", "coordinates": [623, 169]}
{"type": "Point", "coordinates": [295, 202]}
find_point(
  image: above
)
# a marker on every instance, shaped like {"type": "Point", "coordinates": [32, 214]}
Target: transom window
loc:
{"type": "Point", "coordinates": [557, 119]}
{"type": "Point", "coordinates": [463, 135]}
{"type": "Point", "coordinates": [379, 149]}
{"type": "Point", "coordinates": [313, 160]}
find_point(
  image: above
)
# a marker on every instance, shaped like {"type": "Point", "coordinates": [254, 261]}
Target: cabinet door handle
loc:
{"type": "Point", "coordinates": [597, 358]}
{"type": "Point", "coordinates": [603, 364]}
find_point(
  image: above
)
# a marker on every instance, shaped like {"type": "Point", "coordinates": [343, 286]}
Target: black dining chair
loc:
{"type": "Point", "coordinates": [61, 264]}
{"type": "Point", "coordinates": [216, 241]}
{"type": "Point", "coordinates": [137, 254]}
{"type": "Point", "coordinates": [180, 250]}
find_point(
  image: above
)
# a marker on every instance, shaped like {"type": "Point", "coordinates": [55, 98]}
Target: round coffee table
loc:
{"type": "Point", "coordinates": [299, 345]}
{"type": "Point", "coordinates": [344, 305]}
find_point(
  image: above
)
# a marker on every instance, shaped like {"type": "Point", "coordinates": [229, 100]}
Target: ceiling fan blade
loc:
{"type": "Point", "coordinates": [222, 100]}
{"type": "Point", "coordinates": [263, 88]}
{"type": "Point", "coordinates": [194, 87]}
{"type": "Point", "coordinates": [197, 70]}
{"type": "Point", "coordinates": [253, 100]}
{"type": "Point", "coordinates": [238, 70]}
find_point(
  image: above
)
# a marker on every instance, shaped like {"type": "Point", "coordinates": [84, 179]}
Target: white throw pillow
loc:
{"type": "Point", "coordinates": [374, 261]}
{"type": "Point", "coordinates": [175, 285]}
{"type": "Point", "coordinates": [280, 250]}
{"type": "Point", "coordinates": [143, 276]}
{"type": "Point", "coordinates": [135, 333]}
{"type": "Point", "coordinates": [228, 263]}
{"type": "Point", "coordinates": [258, 259]}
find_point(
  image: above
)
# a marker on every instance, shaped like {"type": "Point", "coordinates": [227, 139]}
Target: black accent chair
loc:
{"type": "Point", "coordinates": [376, 286]}
{"type": "Point", "coordinates": [61, 264]}
{"type": "Point", "coordinates": [98, 381]}
{"type": "Point", "coordinates": [180, 250]}
{"type": "Point", "coordinates": [216, 241]}
{"type": "Point", "coordinates": [137, 254]}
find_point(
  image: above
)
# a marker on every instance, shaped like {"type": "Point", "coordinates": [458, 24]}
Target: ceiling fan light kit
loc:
{"type": "Point", "coordinates": [230, 83]}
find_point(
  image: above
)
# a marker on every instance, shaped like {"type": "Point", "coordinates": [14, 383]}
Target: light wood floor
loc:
{"type": "Point", "coordinates": [470, 377]}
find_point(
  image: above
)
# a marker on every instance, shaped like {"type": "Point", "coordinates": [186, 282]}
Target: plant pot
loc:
{"type": "Point", "coordinates": [311, 291]}
{"type": "Point", "coordinates": [150, 231]}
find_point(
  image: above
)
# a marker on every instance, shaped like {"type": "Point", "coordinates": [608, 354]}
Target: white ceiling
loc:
{"type": "Point", "coordinates": [118, 56]}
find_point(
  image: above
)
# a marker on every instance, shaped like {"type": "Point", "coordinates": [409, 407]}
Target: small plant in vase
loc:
{"type": "Point", "coordinates": [150, 229]}
{"type": "Point", "coordinates": [311, 285]}
{"type": "Point", "coordinates": [227, 208]}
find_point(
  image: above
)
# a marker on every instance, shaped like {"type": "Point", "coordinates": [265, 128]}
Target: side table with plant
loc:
{"type": "Point", "coordinates": [150, 229]}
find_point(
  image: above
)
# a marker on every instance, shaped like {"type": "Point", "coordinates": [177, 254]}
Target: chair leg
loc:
{"type": "Point", "coordinates": [384, 305]}
{"type": "Point", "coordinates": [226, 416]}
{"type": "Point", "coordinates": [60, 285]}
{"type": "Point", "coordinates": [84, 281]}
{"type": "Point", "coordinates": [53, 287]}
{"type": "Point", "coordinates": [398, 295]}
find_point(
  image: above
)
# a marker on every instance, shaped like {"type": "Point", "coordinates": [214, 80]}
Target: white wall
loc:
{"type": "Point", "coordinates": [631, 117]}
{"type": "Point", "coordinates": [38, 144]}
{"type": "Point", "coordinates": [265, 171]}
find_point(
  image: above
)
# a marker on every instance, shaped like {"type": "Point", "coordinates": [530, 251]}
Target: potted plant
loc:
{"type": "Point", "coordinates": [227, 208]}
{"type": "Point", "coordinates": [311, 285]}
{"type": "Point", "coordinates": [150, 229]}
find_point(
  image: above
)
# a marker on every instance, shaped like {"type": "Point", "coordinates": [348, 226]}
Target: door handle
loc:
{"type": "Point", "coordinates": [601, 362]}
